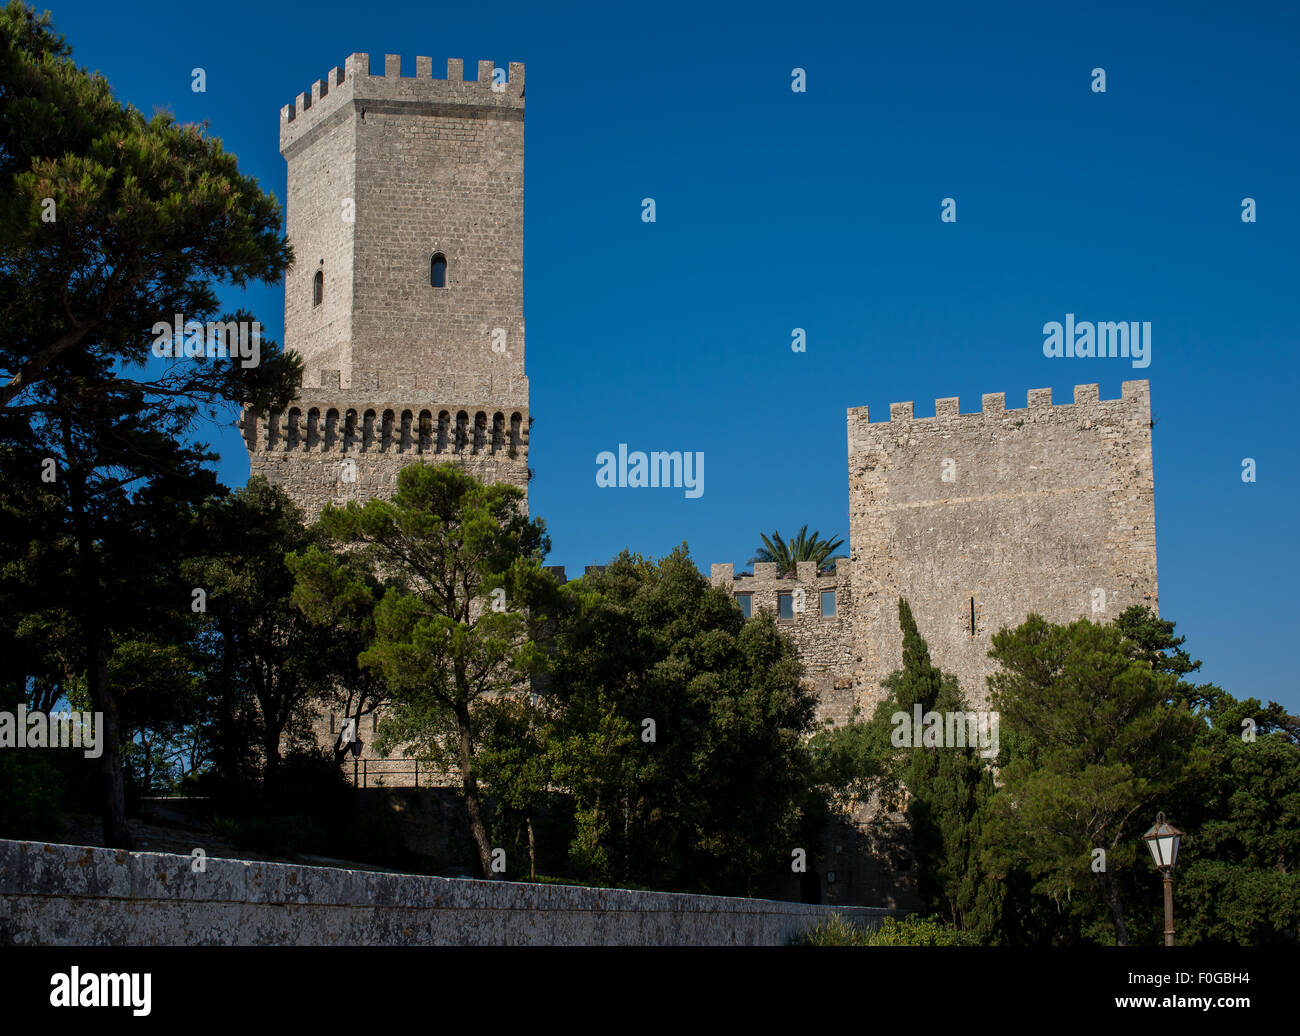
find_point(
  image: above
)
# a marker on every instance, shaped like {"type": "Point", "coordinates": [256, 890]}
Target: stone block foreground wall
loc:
{"type": "Point", "coordinates": [69, 895]}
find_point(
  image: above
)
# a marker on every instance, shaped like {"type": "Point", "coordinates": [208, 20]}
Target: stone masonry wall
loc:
{"type": "Point", "coordinates": [1047, 509]}
{"type": "Point", "coordinates": [332, 446]}
{"type": "Point", "coordinates": [384, 171]}
{"type": "Point", "coordinates": [67, 895]}
{"type": "Point", "coordinates": [825, 642]}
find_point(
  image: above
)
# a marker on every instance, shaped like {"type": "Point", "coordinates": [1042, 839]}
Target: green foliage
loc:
{"type": "Point", "coordinates": [267, 661]}
{"type": "Point", "coordinates": [32, 801]}
{"type": "Point", "coordinates": [911, 931]}
{"type": "Point", "coordinates": [450, 548]}
{"type": "Point", "coordinates": [1100, 743]}
{"type": "Point", "coordinates": [948, 793]}
{"type": "Point", "coordinates": [945, 792]}
{"type": "Point", "coordinates": [515, 765]}
{"type": "Point", "coordinates": [1238, 876]}
{"type": "Point", "coordinates": [162, 700]}
{"type": "Point", "coordinates": [801, 548]}
{"type": "Point", "coordinates": [147, 214]}
{"type": "Point", "coordinates": [714, 801]}
{"type": "Point", "coordinates": [917, 931]}
{"type": "Point", "coordinates": [836, 930]}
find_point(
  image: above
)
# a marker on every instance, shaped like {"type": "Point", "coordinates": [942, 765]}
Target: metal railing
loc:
{"type": "Point", "coordinates": [395, 773]}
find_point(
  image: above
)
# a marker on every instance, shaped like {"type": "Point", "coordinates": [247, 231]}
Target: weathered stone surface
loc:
{"type": "Point", "coordinates": [68, 895]}
{"type": "Point", "coordinates": [977, 519]}
{"type": "Point", "coordinates": [1047, 509]}
{"type": "Point", "coordinates": [386, 171]}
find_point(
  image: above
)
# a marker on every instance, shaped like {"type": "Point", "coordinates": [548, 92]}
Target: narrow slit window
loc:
{"type": "Point", "coordinates": [318, 288]}
{"type": "Point", "coordinates": [972, 616]}
{"type": "Point", "coordinates": [438, 270]}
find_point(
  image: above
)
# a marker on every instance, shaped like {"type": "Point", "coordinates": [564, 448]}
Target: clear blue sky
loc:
{"type": "Point", "coordinates": [821, 210]}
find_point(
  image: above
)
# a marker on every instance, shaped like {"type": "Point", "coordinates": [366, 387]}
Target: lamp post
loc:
{"type": "Point", "coordinates": [1162, 840]}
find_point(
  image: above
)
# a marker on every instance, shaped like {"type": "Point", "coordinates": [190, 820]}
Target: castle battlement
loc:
{"type": "Point", "coordinates": [993, 404]}
{"type": "Point", "coordinates": [389, 427]}
{"type": "Point", "coordinates": [804, 586]}
{"type": "Point", "coordinates": [355, 82]}
{"type": "Point", "coordinates": [765, 575]}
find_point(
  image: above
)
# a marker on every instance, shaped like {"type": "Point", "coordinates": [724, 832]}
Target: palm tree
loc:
{"type": "Point", "coordinates": [802, 548]}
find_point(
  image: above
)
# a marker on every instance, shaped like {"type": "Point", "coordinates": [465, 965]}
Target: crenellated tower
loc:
{"type": "Point", "coordinates": [405, 211]}
{"type": "Point", "coordinates": [977, 519]}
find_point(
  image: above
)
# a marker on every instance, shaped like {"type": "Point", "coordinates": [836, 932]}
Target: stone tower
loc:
{"type": "Point", "coordinates": [977, 519]}
{"type": "Point", "coordinates": [405, 210]}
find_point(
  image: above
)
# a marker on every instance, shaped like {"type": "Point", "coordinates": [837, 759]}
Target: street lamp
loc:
{"type": "Point", "coordinates": [1162, 840]}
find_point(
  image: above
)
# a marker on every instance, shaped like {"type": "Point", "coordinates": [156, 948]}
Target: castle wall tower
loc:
{"type": "Point", "coordinates": [977, 520]}
{"type": "Point", "coordinates": [405, 212]}
{"type": "Point", "coordinates": [980, 519]}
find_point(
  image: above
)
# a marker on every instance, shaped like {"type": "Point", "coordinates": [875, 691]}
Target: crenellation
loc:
{"type": "Point", "coordinates": [977, 519]}
{"type": "Point", "coordinates": [385, 172]}
{"type": "Point", "coordinates": [356, 65]}
{"type": "Point", "coordinates": [356, 87]}
{"type": "Point", "coordinates": [998, 514]}
{"type": "Point", "coordinates": [1136, 392]}
{"type": "Point", "coordinates": [993, 404]}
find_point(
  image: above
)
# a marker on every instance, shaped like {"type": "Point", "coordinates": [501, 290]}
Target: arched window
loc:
{"type": "Point", "coordinates": [318, 288]}
{"type": "Point", "coordinates": [438, 270]}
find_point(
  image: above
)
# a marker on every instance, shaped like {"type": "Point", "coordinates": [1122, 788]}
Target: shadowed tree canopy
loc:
{"type": "Point", "coordinates": [681, 735]}
{"type": "Point", "coordinates": [459, 619]}
{"type": "Point", "coordinates": [110, 223]}
{"type": "Point", "coordinates": [1100, 742]}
